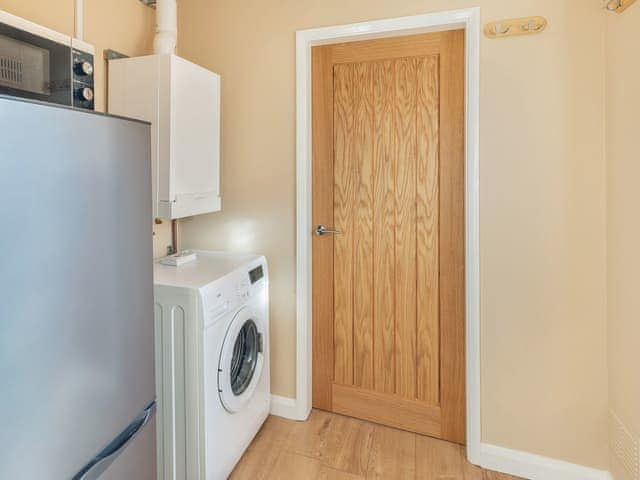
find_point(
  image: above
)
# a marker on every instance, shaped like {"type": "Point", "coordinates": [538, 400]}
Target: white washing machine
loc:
{"type": "Point", "coordinates": [212, 362]}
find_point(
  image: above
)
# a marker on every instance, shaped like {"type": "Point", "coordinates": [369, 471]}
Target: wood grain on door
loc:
{"type": "Point", "coordinates": [388, 290]}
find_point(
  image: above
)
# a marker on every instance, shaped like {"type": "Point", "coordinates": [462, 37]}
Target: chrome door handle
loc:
{"type": "Point", "coordinates": [322, 230]}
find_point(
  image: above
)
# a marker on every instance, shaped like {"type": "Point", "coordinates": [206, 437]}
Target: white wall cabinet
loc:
{"type": "Point", "coordinates": [182, 102]}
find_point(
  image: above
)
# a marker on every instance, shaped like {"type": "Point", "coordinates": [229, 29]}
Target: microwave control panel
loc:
{"type": "Point", "coordinates": [83, 79]}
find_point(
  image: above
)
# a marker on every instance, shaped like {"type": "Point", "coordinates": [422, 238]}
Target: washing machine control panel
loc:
{"type": "Point", "coordinates": [236, 289]}
{"type": "Point", "coordinates": [216, 303]}
{"type": "Point", "coordinates": [243, 291]}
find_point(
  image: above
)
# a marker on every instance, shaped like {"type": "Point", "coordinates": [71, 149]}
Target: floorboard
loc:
{"type": "Point", "coordinates": [335, 447]}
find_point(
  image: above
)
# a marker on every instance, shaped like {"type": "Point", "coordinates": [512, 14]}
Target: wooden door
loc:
{"type": "Point", "coordinates": [388, 174]}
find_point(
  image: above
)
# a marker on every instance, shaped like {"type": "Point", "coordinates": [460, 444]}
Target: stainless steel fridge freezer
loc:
{"type": "Point", "coordinates": [77, 387]}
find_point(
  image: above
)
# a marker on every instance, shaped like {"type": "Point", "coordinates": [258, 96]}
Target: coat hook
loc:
{"type": "Point", "coordinates": [515, 26]}
{"type": "Point", "coordinates": [612, 5]}
{"type": "Point", "coordinates": [531, 26]}
{"type": "Point", "coordinates": [498, 30]}
{"type": "Point", "coordinates": [618, 6]}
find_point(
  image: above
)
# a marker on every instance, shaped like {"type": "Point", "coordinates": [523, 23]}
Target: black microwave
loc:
{"type": "Point", "coordinates": [41, 64]}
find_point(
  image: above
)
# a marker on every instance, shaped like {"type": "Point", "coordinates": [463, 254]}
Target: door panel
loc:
{"type": "Point", "coordinates": [427, 224]}
{"type": "Point", "coordinates": [344, 199]}
{"type": "Point", "coordinates": [363, 100]}
{"type": "Point", "coordinates": [388, 298]}
{"type": "Point", "coordinates": [404, 136]}
{"type": "Point", "coordinates": [384, 229]}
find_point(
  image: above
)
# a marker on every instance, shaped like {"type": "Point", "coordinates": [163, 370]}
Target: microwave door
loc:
{"type": "Point", "coordinates": [34, 67]}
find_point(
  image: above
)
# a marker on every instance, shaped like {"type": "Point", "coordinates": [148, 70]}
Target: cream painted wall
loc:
{"type": "Point", "coordinates": [55, 14]}
{"type": "Point", "coordinates": [623, 163]}
{"type": "Point", "coordinates": [123, 25]}
{"type": "Point", "coordinates": [544, 385]}
{"type": "Point", "coordinates": [543, 191]}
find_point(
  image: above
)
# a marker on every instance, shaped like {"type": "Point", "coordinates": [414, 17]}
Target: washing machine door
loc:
{"type": "Point", "coordinates": [241, 360]}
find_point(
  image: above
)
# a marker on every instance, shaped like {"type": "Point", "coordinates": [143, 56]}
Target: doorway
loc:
{"type": "Point", "coordinates": [388, 179]}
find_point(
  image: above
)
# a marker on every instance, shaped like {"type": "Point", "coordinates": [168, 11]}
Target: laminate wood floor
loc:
{"type": "Point", "coordinates": [334, 447]}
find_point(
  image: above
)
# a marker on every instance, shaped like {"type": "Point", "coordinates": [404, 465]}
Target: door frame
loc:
{"type": "Point", "coordinates": [469, 20]}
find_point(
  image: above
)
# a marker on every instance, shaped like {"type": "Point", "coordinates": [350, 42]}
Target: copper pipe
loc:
{"type": "Point", "coordinates": [174, 236]}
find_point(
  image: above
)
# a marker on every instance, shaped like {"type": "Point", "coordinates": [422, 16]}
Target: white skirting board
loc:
{"type": "Point", "coordinates": [285, 407]}
{"type": "Point", "coordinates": [534, 467]}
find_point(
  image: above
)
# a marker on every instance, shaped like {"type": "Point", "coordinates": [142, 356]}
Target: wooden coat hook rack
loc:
{"type": "Point", "coordinates": [515, 26]}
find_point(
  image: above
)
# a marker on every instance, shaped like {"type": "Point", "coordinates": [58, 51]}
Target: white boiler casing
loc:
{"type": "Point", "coordinates": [182, 102]}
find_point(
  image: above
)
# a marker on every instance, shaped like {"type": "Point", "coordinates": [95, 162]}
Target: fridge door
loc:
{"type": "Point", "coordinates": [76, 298]}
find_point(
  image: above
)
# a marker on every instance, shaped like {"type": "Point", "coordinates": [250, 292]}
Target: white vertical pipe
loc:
{"type": "Point", "coordinates": [79, 21]}
{"type": "Point", "coordinates": [166, 27]}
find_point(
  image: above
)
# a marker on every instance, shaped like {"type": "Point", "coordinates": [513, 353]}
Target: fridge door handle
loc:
{"type": "Point", "coordinates": [106, 457]}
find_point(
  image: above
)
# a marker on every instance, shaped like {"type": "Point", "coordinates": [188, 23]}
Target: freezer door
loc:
{"type": "Point", "coordinates": [124, 451]}
{"type": "Point", "coordinates": [128, 465]}
{"type": "Point", "coordinates": [76, 299]}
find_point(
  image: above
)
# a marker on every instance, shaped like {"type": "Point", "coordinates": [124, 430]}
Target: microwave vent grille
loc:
{"type": "Point", "coordinates": [11, 71]}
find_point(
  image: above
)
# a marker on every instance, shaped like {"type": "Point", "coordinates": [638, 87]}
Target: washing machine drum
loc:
{"type": "Point", "coordinates": [241, 360]}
